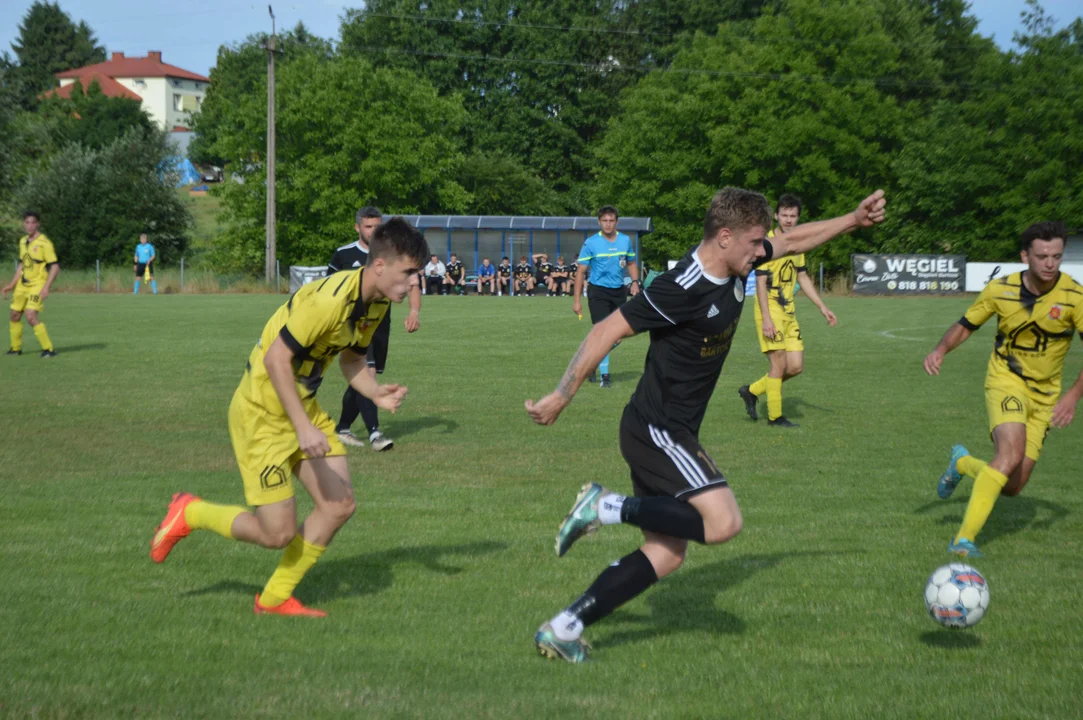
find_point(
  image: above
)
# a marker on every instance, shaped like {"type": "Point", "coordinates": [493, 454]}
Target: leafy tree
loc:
{"type": "Point", "coordinates": [50, 42]}
{"type": "Point", "coordinates": [347, 135]}
{"type": "Point", "coordinates": [95, 202]}
{"type": "Point", "coordinates": [92, 118]}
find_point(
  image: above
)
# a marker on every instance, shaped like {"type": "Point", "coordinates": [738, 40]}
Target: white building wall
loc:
{"type": "Point", "coordinates": [160, 98]}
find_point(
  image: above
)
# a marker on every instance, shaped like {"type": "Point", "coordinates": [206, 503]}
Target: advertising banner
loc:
{"type": "Point", "coordinates": [908, 274]}
{"type": "Point", "coordinates": [300, 275]}
{"type": "Point", "coordinates": [978, 275]}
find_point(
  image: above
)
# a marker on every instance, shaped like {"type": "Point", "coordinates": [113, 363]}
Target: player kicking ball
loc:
{"type": "Point", "coordinates": [1038, 310]}
{"type": "Point", "coordinates": [278, 428]}
{"type": "Point", "coordinates": [680, 494]}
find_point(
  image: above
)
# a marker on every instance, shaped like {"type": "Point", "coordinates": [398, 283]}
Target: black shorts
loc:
{"type": "Point", "coordinates": [377, 356]}
{"type": "Point", "coordinates": [140, 268]}
{"type": "Point", "coordinates": [603, 301]}
{"type": "Point", "coordinates": [665, 463]}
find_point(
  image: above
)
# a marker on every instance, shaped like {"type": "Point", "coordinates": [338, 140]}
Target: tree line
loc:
{"type": "Point", "coordinates": [533, 108]}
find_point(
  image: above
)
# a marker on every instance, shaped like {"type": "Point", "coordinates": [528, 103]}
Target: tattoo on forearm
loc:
{"type": "Point", "coordinates": [567, 383]}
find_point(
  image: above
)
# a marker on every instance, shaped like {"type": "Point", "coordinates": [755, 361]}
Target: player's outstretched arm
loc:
{"type": "Point", "coordinates": [354, 368]}
{"type": "Point", "coordinates": [953, 338]}
{"type": "Point", "coordinates": [279, 363]}
{"type": "Point", "coordinates": [595, 346]}
{"type": "Point", "coordinates": [808, 236]}
{"type": "Point", "coordinates": [1064, 410]}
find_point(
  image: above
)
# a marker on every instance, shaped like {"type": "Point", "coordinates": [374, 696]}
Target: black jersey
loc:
{"type": "Point", "coordinates": [503, 270]}
{"type": "Point", "coordinates": [544, 269]}
{"type": "Point", "coordinates": [560, 268]}
{"type": "Point", "coordinates": [522, 271]}
{"type": "Point", "coordinates": [692, 319]}
{"type": "Point", "coordinates": [455, 269]}
{"type": "Point", "coordinates": [348, 257]}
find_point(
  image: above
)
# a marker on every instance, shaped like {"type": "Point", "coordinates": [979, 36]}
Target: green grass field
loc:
{"type": "Point", "coordinates": [437, 585]}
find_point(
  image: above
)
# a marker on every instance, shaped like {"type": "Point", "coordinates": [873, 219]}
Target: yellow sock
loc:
{"type": "Point", "coordinates": [774, 398]}
{"type": "Point", "coordinates": [202, 515]}
{"type": "Point", "coordinates": [969, 465]}
{"type": "Point", "coordinates": [43, 337]}
{"type": "Point", "coordinates": [298, 559]}
{"type": "Point", "coordinates": [17, 335]}
{"type": "Point", "coordinates": [759, 387]}
{"type": "Point", "coordinates": [987, 489]}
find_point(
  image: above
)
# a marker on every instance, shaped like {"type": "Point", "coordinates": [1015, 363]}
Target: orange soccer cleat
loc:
{"type": "Point", "coordinates": [292, 607]}
{"type": "Point", "coordinates": [173, 528]}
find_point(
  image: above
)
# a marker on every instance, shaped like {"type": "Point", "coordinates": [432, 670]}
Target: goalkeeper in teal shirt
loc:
{"type": "Point", "coordinates": [144, 263]}
{"type": "Point", "coordinates": [609, 255]}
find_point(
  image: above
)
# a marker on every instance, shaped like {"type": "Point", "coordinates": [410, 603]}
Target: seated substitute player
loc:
{"type": "Point", "coordinates": [145, 255]}
{"type": "Point", "coordinates": [435, 271]}
{"type": "Point", "coordinates": [692, 313]}
{"type": "Point", "coordinates": [543, 272]}
{"type": "Point", "coordinates": [454, 277]}
{"type": "Point", "coordinates": [278, 427]}
{"type": "Point", "coordinates": [503, 276]}
{"type": "Point", "coordinates": [524, 278]}
{"type": "Point", "coordinates": [35, 272]}
{"type": "Point", "coordinates": [355, 255]}
{"type": "Point", "coordinates": [1038, 310]}
{"type": "Point", "coordinates": [776, 320]}
{"type": "Point", "coordinates": [486, 277]}
{"type": "Point", "coordinates": [559, 276]}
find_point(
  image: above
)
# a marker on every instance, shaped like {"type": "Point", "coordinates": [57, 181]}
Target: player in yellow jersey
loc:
{"type": "Point", "coordinates": [34, 277]}
{"type": "Point", "coordinates": [1038, 310]}
{"type": "Point", "coordinates": [776, 320]}
{"type": "Point", "coordinates": [278, 428]}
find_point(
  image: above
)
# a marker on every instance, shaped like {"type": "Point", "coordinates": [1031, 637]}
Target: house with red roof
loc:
{"type": "Point", "coordinates": [170, 95]}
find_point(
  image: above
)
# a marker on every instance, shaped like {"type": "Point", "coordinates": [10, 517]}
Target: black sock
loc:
{"type": "Point", "coordinates": [369, 414]}
{"type": "Point", "coordinates": [350, 408]}
{"type": "Point", "coordinates": [665, 515]}
{"type": "Point", "coordinates": [618, 583]}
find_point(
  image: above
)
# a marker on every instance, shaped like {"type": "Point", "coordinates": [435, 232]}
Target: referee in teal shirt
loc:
{"type": "Point", "coordinates": [145, 256]}
{"type": "Point", "coordinates": [608, 254]}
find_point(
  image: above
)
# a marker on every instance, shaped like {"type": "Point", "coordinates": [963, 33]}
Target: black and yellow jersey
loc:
{"type": "Point", "coordinates": [37, 256]}
{"type": "Point", "coordinates": [781, 277]}
{"type": "Point", "coordinates": [321, 320]}
{"type": "Point", "coordinates": [1034, 332]}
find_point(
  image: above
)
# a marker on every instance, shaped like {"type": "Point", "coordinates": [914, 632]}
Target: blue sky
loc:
{"type": "Point", "coordinates": [189, 32]}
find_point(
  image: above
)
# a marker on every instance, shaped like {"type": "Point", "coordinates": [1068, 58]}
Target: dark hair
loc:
{"type": "Point", "coordinates": [506, 258]}
{"type": "Point", "coordinates": [1043, 231]}
{"type": "Point", "coordinates": [31, 213]}
{"type": "Point", "coordinates": [369, 211]}
{"type": "Point", "coordinates": [736, 209]}
{"type": "Point", "coordinates": [454, 255]}
{"type": "Point", "coordinates": [789, 200]}
{"type": "Point", "coordinates": [607, 210]}
{"type": "Point", "coordinates": [397, 238]}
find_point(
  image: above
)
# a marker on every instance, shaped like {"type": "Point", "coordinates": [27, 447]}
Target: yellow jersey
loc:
{"type": "Point", "coordinates": [321, 320]}
{"type": "Point", "coordinates": [37, 256]}
{"type": "Point", "coordinates": [1034, 332]}
{"type": "Point", "coordinates": [781, 277]}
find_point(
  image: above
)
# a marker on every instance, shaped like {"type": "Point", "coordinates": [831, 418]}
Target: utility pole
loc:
{"type": "Point", "coordinates": [271, 251]}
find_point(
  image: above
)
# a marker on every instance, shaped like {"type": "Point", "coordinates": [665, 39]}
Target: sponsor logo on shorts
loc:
{"type": "Point", "coordinates": [1011, 404]}
{"type": "Point", "coordinates": [272, 477]}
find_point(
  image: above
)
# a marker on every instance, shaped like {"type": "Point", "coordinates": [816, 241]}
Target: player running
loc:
{"type": "Point", "coordinates": [34, 275]}
{"type": "Point", "coordinates": [776, 320]}
{"type": "Point", "coordinates": [278, 428]}
{"type": "Point", "coordinates": [1038, 310]}
{"type": "Point", "coordinates": [680, 494]}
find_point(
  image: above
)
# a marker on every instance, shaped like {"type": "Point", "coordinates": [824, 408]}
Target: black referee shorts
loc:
{"type": "Point", "coordinates": [603, 301]}
{"type": "Point", "coordinates": [140, 268]}
{"type": "Point", "coordinates": [665, 463]}
{"type": "Point", "coordinates": [377, 356]}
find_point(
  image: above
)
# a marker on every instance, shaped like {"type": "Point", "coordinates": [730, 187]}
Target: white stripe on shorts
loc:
{"type": "Point", "coordinates": [688, 468]}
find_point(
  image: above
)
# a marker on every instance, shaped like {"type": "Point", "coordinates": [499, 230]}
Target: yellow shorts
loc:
{"type": "Point", "coordinates": [26, 297]}
{"type": "Point", "coordinates": [267, 450]}
{"type": "Point", "coordinates": [1009, 402]}
{"type": "Point", "coordinates": [787, 333]}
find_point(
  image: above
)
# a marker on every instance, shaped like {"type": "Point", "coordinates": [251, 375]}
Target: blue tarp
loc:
{"type": "Point", "coordinates": [186, 172]}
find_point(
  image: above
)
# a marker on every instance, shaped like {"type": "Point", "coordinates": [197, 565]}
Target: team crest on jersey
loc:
{"type": "Point", "coordinates": [739, 290]}
{"type": "Point", "coordinates": [1054, 312]}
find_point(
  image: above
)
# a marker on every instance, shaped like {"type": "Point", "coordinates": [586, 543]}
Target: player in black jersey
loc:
{"type": "Point", "coordinates": [543, 272]}
{"type": "Point", "coordinates": [354, 403]}
{"type": "Point", "coordinates": [559, 277]}
{"type": "Point", "coordinates": [455, 277]}
{"type": "Point", "coordinates": [524, 277]}
{"type": "Point", "coordinates": [680, 494]}
{"type": "Point", "coordinates": [503, 276]}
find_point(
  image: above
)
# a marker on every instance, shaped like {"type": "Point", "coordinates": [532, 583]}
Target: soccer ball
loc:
{"type": "Point", "coordinates": [957, 596]}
